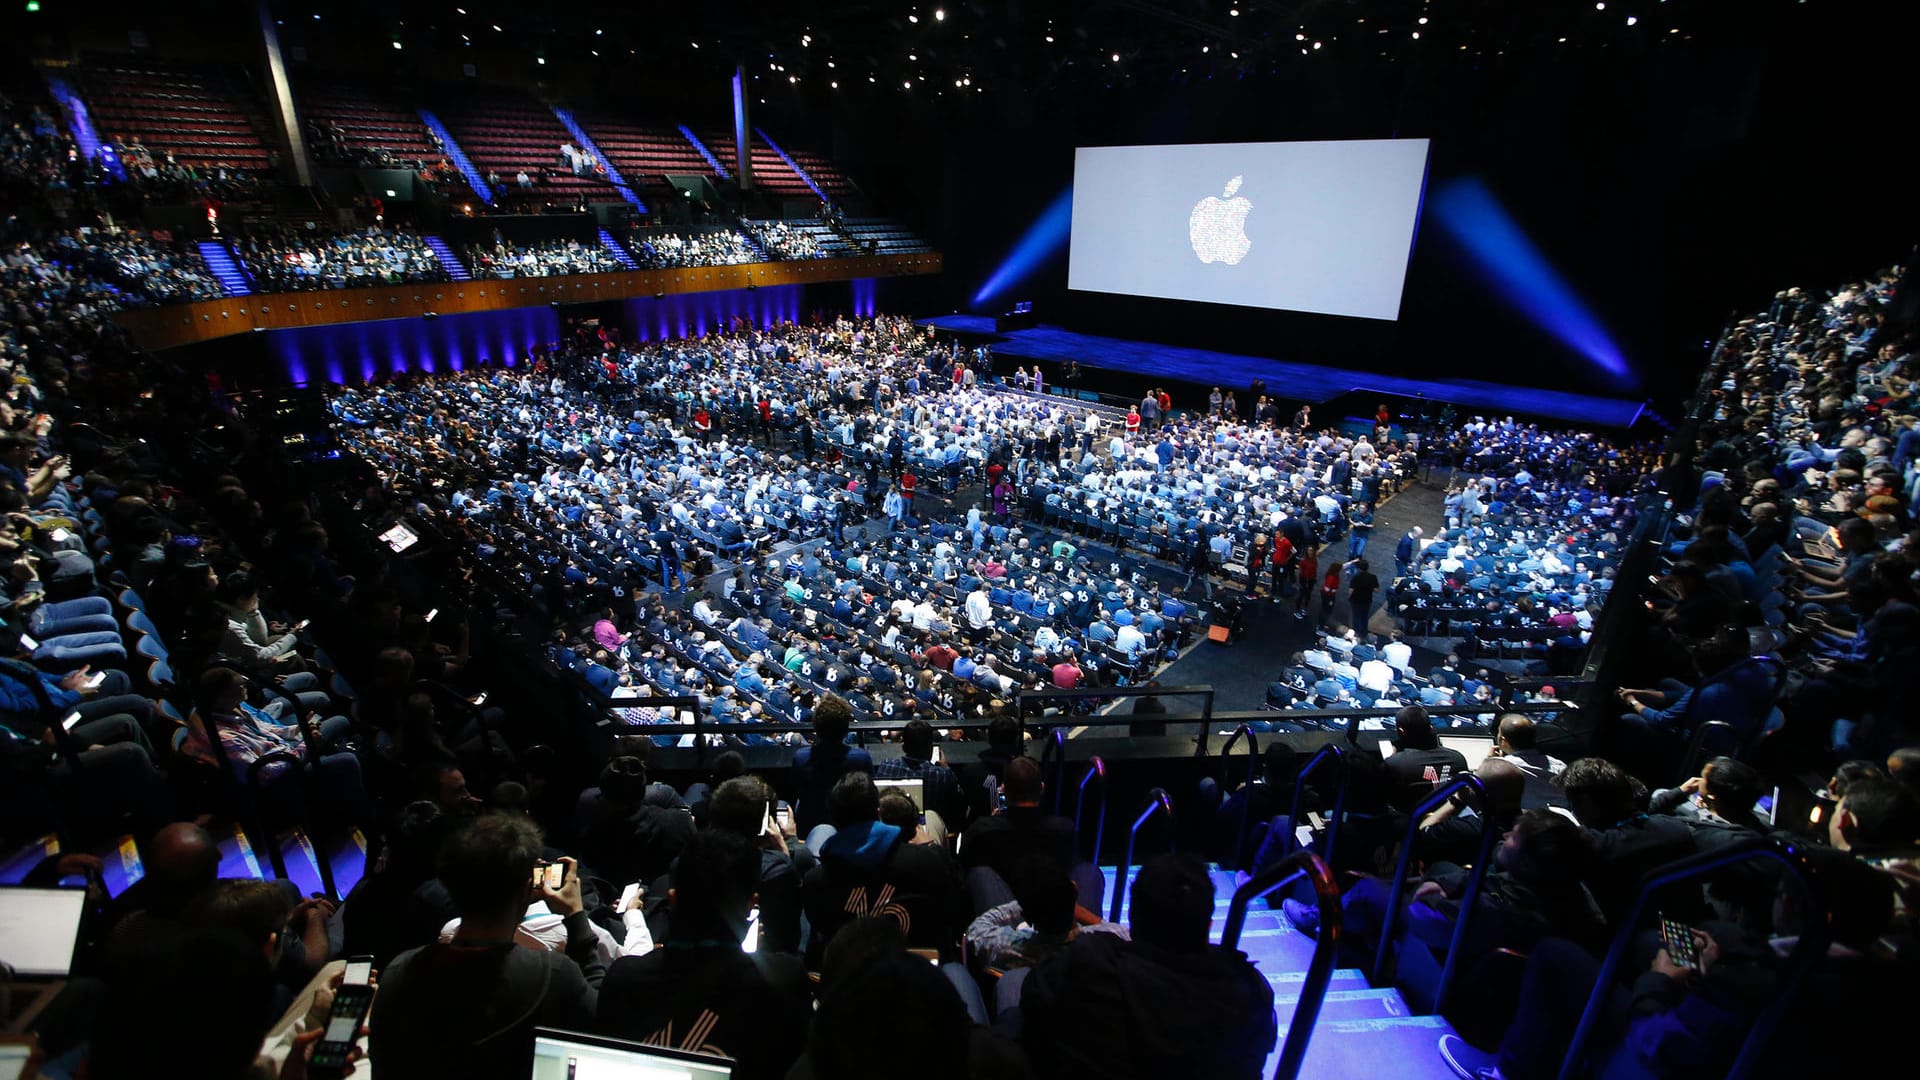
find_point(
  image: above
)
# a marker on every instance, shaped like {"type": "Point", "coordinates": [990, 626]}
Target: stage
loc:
{"type": "Point", "coordinates": [1290, 380]}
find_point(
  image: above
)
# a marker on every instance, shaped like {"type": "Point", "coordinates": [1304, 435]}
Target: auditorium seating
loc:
{"type": "Point", "coordinates": [771, 176]}
{"type": "Point", "coordinates": [196, 113]}
{"type": "Point", "coordinates": [509, 134]}
{"type": "Point", "coordinates": [642, 153]}
{"type": "Point", "coordinates": [362, 124]}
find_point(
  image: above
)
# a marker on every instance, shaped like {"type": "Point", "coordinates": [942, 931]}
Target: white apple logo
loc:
{"type": "Point", "coordinates": [1216, 228]}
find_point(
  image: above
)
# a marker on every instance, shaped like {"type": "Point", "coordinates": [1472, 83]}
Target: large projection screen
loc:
{"type": "Point", "coordinates": [1324, 227]}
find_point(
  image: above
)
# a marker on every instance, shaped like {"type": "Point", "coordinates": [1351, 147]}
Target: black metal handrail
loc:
{"type": "Point", "coordinates": [1096, 770]}
{"type": "Point", "coordinates": [1326, 945]}
{"type": "Point", "coordinates": [1246, 803]}
{"type": "Point", "coordinates": [1157, 802]}
{"type": "Point", "coordinates": [1054, 753]}
{"type": "Point", "coordinates": [1328, 753]}
{"type": "Point", "coordinates": [1814, 938]}
{"type": "Point", "coordinates": [1386, 961]}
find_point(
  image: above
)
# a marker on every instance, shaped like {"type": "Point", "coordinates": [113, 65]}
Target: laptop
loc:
{"type": "Point", "coordinates": [914, 790]}
{"type": "Point", "coordinates": [38, 929]}
{"type": "Point", "coordinates": [569, 1055]}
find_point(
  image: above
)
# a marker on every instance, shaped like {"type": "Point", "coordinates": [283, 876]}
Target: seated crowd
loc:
{"type": "Point", "coordinates": [664, 251]}
{"type": "Point", "coordinates": [547, 258]}
{"type": "Point", "coordinates": [780, 241]}
{"type": "Point", "coordinates": [292, 260]}
{"type": "Point", "coordinates": [200, 635]}
{"type": "Point", "coordinates": [142, 268]}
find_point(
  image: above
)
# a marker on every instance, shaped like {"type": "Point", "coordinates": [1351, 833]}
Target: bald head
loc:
{"type": "Point", "coordinates": [1504, 783]}
{"type": "Point", "coordinates": [182, 860]}
{"type": "Point", "coordinates": [1518, 732]}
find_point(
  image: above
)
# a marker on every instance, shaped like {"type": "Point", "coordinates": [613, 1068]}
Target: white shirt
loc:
{"type": "Point", "coordinates": [1375, 675]}
{"type": "Point", "coordinates": [979, 609]}
{"type": "Point", "coordinates": [1397, 654]}
{"type": "Point", "coordinates": [1130, 640]}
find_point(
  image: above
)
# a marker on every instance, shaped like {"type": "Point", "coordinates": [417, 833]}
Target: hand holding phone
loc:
{"type": "Point", "coordinates": [334, 1051]}
{"type": "Point", "coordinates": [1684, 945]}
{"type": "Point", "coordinates": [559, 885]}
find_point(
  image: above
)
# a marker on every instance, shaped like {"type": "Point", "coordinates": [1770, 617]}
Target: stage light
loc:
{"type": "Point", "coordinates": [915, 19]}
{"type": "Point", "coordinates": [1633, 20]}
{"type": "Point", "coordinates": [939, 14]}
{"type": "Point", "coordinates": [33, 6]}
{"type": "Point", "coordinates": [1042, 240]}
{"type": "Point", "coordinates": [1423, 20]}
{"type": "Point", "coordinates": [396, 45]}
{"type": "Point", "coordinates": [1116, 58]}
{"type": "Point", "coordinates": [1049, 39]}
{"type": "Point", "coordinates": [1520, 272]}
{"type": "Point", "coordinates": [1299, 37]}
{"type": "Point", "coordinates": [1316, 44]}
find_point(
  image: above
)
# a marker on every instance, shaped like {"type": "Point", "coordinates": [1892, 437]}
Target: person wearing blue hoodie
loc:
{"type": "Point", "coordinates": [870, 868]}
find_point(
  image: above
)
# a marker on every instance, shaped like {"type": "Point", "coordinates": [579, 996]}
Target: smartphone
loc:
{"type": "Point", "coordinates": [60, 536]}
{"type": "Point", "coordinates": [549, 875]}
{"type": "Point", "coordinates": [480, 698]}
{"type": "Point", "coordinates": [27, 642]}
{"type": "Point", "coordinates": [751, 943]}
{"type": "Point", "coordinates": [330, 1055]}
{"type": "Point", "coordinates": [302, 625]}
{"type": "Point", "coordinates": [629, 898]}
{"type": "Point", "coordinates": [92, 682]}
{"type": "Point", "coordinates": [359, 971]}
{"type": "Point", "coordinates": [766, 818]}
{"type": "Point", "coordinates": [1678, 937]}
{"type": "Point", "coordinates": [432, 613]}
{"type": "Point", "coordinates": [72, 719]}
{"type": "Point", "coordinates": [785, 817]}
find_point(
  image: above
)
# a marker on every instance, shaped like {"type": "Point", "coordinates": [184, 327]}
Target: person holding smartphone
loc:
{"type": "Point", "coordinates": [468, 1006]}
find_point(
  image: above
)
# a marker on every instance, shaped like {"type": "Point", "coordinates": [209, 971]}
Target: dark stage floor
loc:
{"type": "Point", "coordinates": [1295, 381]}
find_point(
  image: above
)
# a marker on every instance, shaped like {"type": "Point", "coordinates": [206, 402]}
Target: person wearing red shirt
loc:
{"type": "Point", "coordinates": [703, 424]}
{"type": "Point", "coordinates": [941, 655]}
{"type": "Point", "coordinates": [1133, 419]}
{"type": "Point", "coordinates": [906, 488]}
{"type": "Point", "coordinates": [1329, 591]}
{"type": "Point", "coordinates": [1309, 573]}
{"type": "Point", "coordinates": [1282, 562]}
{"type": "Point", "coordinates": [1166, 404]}
{"type": "Point", "coordinates": [1066, 674]}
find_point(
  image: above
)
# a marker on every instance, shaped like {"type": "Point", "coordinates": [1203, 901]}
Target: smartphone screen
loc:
{"type": "Point", "coordinates": [27, 642]}
{"type": "Point", "coordinates": [751, 943]}
{"type": "Point", "coordinates": [432, 614]}
{"type": "Point", "coordinates": [72, 719]}
{"type": "Point", "coordinates": [359, 971]}
{"type": "Point", "coordinates": [556, 875]}
{"type": "Point", "coordinates": [350, 1007]}
{"type": "Point", "coordinates": [93, 681]}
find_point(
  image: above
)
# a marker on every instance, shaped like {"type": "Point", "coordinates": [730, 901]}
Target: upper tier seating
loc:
{"type": "Point", "coordinates": [189, 112]}
{"type": "Point", "coordinates": [361, 125]}
{"type": "Point", "coordinates": [509, 135]}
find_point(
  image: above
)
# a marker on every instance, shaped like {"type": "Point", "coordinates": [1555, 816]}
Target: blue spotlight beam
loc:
{"type": "Point", "coordinates": [1047, 235]}
{"type": "Point", "coordinates": [1467, 210]}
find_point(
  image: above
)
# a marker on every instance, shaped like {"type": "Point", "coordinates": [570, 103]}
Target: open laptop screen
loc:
{"type": "Point", "coordinates": [38, 928]}
{"type": "Point", "coordinates": [569, 1055]}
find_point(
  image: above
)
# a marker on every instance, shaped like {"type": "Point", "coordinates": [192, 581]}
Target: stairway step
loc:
{"type": "Point", "coordinates": [619, 250]}
{"type": "Point", "coordinates": [1288, 983]}
{"type": "Point", "coordinates": [449, 259]}
{"type": "Point", "coordinates": [1341, 1049]}
{"type": "Point", "coordinates": [224, 267]}
{"type": "Point", "coordinates": [1360, 1004]}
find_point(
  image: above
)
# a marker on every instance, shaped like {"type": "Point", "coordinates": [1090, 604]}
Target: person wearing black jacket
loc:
{"type": "Point", "coordinates": [636, 840]}
{"type": "Point", "coordinates": [741, 806]}
{"type": "Point", "coordinates": [1419, 763]}
{"type": "Point", "coordinates": [1164, 1004]}
{"type": "Point", "coordinates": [1021, 830]}
{"type": "Point", "coordinates": [702, 991]}
{"type": "Point", "coordinates": [468, 1007]}
{"type": "Point", "coordinates": [1626, 841]}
